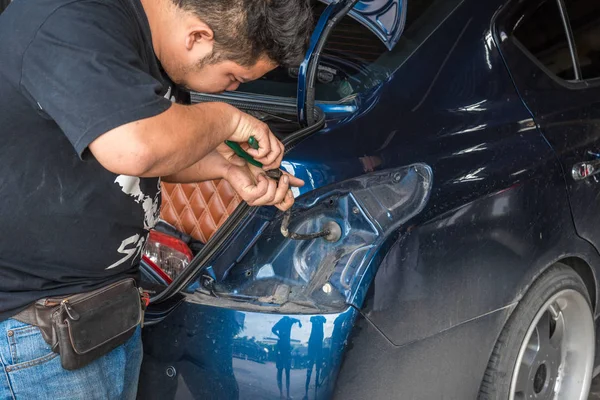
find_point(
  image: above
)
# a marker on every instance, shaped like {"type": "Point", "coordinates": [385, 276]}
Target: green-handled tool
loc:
{"type": "Point", "coordinates": [237, 149]}
{"type": "Point", "coordinates": [252, 142]}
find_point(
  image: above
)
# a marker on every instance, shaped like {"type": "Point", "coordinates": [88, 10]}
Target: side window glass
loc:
{"type": "Point", "coordinates": [584, 16]}
{"type": "Point", "coordinates": [539, 28]}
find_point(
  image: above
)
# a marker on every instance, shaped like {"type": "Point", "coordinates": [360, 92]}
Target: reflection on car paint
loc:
{"type": "Point", "coordinates": [498, 216]}
{"type": "Point", "coordinates": [203, 352]}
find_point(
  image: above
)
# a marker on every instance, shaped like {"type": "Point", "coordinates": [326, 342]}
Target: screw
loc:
{"type": "Point", "coordinates": [327, 288]}
{"type": "Point", "coordinates": [397, 177]}
{"type": "Point", "coordinates": [171, 372]}
{"type": "Point", "coordinates": [10, 333]}
{"type": "Point", "coordinates": [355, 210]}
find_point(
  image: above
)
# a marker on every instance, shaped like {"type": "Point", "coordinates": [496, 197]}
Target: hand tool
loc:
{"type": "Point", "coordinates": [252, 142]}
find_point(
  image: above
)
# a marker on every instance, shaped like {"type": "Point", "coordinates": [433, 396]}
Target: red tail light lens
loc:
{"type": "Point", "coordinates": [167, 256]}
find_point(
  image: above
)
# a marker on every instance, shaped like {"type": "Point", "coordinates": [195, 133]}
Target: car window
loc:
{"type": "Point", "coordinates": [354, 59]}
{"type": "Point", "coordinates": [584, 16]}
{"type": "Point", "coordinates": [540, 29]}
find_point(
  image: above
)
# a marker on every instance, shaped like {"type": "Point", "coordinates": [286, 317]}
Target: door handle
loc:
{"type": "Point", "coordinates": [585, 169]}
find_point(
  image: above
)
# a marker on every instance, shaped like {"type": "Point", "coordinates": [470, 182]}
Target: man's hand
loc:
{"type": "Point", "coordinates": [249, 182]}
{"type": "Point", "coordinates": [257, 189]}
{"type": "Point", "coordinates": [270, 149]}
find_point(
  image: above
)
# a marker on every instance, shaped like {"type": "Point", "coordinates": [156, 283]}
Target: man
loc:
{"type": "Point", "coordinates": [283, 330]}
{"type": "Point", "coordinates": [87, 130]}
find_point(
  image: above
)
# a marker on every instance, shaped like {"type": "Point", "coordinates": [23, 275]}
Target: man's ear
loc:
{"type": "Point", "coordinates": [199, 34]}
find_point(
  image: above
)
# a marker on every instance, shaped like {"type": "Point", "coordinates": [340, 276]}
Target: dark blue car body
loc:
{"type": "Point", "coordinates": [487, 124]}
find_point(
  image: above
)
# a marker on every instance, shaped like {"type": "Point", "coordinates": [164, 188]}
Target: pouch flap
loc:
{"type": "Point", "coordinates": [103, 317]}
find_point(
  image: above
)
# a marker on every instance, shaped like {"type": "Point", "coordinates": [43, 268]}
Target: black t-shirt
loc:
{"type": "Point", "coordinates": [71, 70]}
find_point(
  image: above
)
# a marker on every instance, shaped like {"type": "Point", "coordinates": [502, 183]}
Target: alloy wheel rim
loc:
{"type": "Point", "coordinates": [556, 358]}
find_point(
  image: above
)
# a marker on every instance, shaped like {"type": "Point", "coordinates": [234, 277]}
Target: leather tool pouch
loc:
{"type": "Point", "coordinates": [84, 327]}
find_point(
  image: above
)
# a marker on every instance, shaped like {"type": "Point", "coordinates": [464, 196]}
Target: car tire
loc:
{"type": "Point", "coordinates": [548, 339]}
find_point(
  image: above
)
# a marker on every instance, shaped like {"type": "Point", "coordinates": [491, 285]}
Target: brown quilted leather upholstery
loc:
{"type": "Point", "coordinates": [198, 209]}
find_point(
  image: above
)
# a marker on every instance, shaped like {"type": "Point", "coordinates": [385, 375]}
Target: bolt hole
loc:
{"type": "Point", "coordinates": [539, 380]}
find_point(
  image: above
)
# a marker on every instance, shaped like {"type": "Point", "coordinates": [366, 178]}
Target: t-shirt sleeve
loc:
{"type": "Point", "coordinates": [85, 70]}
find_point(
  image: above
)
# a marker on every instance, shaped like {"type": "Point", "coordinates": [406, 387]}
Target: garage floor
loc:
{"type": "Point", "coordinates": [595, 392]}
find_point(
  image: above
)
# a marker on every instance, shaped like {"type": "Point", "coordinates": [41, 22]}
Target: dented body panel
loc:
{"type": "Point", "coordinates": [437, 294]}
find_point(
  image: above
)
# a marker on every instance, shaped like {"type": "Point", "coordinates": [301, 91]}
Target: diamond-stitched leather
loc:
{"type": "Point", "coordinates": [198, 209]}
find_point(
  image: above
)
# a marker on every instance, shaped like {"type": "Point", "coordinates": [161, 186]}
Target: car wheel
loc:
{"type": "Point", "coordinates": [546, 349]}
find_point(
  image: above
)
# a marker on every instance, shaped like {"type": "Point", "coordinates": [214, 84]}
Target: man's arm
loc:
{"type": "Point", "coordinates": [212, 166]}
{"type": "Point", "coordinates": [102, 97]}
{"type": "Point", "coordinates": [128, 127]}
{"type": "Point", "coordinates": [176, 139]}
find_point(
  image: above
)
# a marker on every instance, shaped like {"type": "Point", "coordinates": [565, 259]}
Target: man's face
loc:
{"type": "Point", "coordinates": [218, 77]}
{"type": "Point", "coordinates": [187, 57]}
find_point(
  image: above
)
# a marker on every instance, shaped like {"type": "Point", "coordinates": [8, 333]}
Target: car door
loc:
{"type": "Point", "coordinates": [552, 48]}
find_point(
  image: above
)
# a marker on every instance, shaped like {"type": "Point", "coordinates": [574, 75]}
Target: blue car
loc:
{"type": "Point", "coordinates": [445, 245]}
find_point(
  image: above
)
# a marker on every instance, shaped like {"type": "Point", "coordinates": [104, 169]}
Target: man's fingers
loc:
{"type": "Point", "coordinates": [273, 159]}
{"type": "Point", "coordinates": [258, 190]}
{"type": "Point", "coordinates": [269, 150]}
{"type": "Point", "coordinates": [295, 182]}
{"type": "Point", "coordinates": [282, 189]}
{"type": "Point", "coordinates": [262, 134]}
{"type": "Point", "coordinates": [269, 195]}
{"type": "Point", "coordinates": [277, 163]}
{"type": "Point", "coordinates": [288, 201]}
{"type": "Point", "coordinates": [253, 191]}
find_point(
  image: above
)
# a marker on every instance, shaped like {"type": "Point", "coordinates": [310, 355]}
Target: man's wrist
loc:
{"type": "Point", "coordinates": [233, 116]}
{"type": "Point", "coordinates": [225, 171]}
{"type": "Point", "coordinates": [219, 167]}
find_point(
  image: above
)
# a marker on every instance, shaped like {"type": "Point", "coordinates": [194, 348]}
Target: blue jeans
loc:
{"type": "Point", "coordinates": [30, 370]}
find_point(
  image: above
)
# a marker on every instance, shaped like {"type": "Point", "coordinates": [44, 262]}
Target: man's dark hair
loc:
{"type": "Point", "coordinates": [245, 30]}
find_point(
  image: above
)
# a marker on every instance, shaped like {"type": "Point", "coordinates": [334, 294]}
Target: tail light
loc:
{"type": "Point", "coordinates": [325, 271]}
{"type": "Point", "coordinates": [166, 255]}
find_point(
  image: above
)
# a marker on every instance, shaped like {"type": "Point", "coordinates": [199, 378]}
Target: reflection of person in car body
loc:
{"type": "Point", "coordinates": [89, 125]}
{"type": "Point", "coordinates": [202, 358]}
{"type": "Point", "coordinates": [315, 351]}
{"type": "Point", "coordinates": [283, 330]}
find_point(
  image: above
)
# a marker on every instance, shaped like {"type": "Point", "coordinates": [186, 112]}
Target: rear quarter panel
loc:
{"type": "Point", "coordinates": [498, 207]}
{"type": "Point", "coordinates": [498, 217]}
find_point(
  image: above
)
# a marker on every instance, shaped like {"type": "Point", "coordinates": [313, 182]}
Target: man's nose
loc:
{"type": "Point", "coordinates": [233, 87]}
